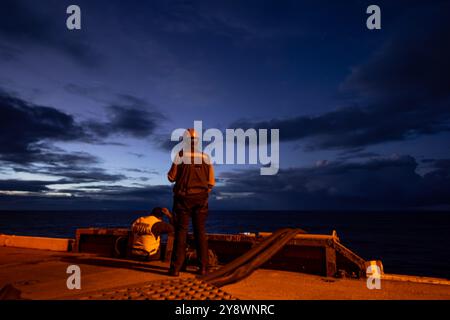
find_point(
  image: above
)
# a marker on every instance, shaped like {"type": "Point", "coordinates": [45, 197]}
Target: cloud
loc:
{"type": "Point", "coordinates": [23, 185]}
{"type": "Point", "coordinates": [379, 183]}
{"type": "Point", "coordinates": [401, 93]}
{"type": "Point", "coordinates": [412, 63]}
{"type": "Point", "coordinates": [70, 173]}
{"type": "Point", "coordinates": [94, 197]}
{"type": "Point", "coordinates": [163, 142]}
{"type": "Point", "coordinates": [442, 164]}
{"type": "Point", "coordinates": [356, 153]}
{"type": "Point", "coordinates": [137, 155]}
{"type": "Point", "coordinates": [28, 133]}
{"type": "Point", "coordinates": [128, 115]}
{"type": "Point", "coordinates": [25, 129]}
{"type": "Point", "coordinates": [146, 171]}
{"type": "Point", "coordinates": [28, 130]}
{"type": "Point", "coordinates": [126, 120]}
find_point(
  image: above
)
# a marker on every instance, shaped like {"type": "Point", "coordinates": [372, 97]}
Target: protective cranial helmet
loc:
{"type": "Point", "coordinates": [157, 212]}
{"type": "Point", "coordinates": [191, 134]}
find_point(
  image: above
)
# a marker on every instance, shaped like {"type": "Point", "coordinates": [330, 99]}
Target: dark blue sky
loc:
{"type": "Point", "coordinates": [85, 116]}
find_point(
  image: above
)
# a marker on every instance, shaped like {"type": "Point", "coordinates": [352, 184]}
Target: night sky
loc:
{"type": "Point", "coordinates": [364, 115]}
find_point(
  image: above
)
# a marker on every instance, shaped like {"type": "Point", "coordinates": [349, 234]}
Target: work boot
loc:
{"type": "Point", "coordinates": [174, 273]}
{"type": "Point", "coordinates": [202, 271]}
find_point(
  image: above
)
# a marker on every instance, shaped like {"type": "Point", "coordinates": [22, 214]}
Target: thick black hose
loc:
{"type": "Point", "coordinates": [246, 257]}
{"type": "Point", "coordinates": [243, 266]}
{"type": "Point", "coordinates": [247, 269]}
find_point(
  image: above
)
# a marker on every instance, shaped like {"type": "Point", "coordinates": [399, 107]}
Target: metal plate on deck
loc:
{"type": "Point", "coordinates": [176, 289]}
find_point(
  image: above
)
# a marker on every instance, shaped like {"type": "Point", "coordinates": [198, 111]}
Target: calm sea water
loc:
{"type": "Point", "coordinates": [408, 243]}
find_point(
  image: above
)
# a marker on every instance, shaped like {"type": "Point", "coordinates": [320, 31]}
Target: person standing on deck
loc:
{"type": "Point", "coordinates": [193, 175]}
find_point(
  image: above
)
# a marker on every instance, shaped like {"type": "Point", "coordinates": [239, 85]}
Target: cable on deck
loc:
{"type": "Point", "coordinates": [244, 266]}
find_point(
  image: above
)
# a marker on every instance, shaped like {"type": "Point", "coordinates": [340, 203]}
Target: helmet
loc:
{"type": "Point", "coordinates": [160, 212]}
{"type": "Point", "coordinates": [157, 212]}
{"type": "Point", "coordinates": [192, 134]}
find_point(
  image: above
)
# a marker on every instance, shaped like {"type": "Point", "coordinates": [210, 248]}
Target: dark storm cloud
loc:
{"type": "Point", "coordinates": [127, 120]}
{"type": "Point", "coordinates": [100, 197]}
{"type": "Point", "coordinates": [402, 92]}
{"type": "Point", "coordinates": [414, 62]}
{"type": "Point", "coordinates": [71, 173]}
{"type": "Point", "coordinates": [378, 183]}
{"type": "Point", "coordinates": [128, 115]}
{"type": "Point", "coordinates": [442, 164]}
{"type": "Point", "coordinates": [26, 22]}
{"type": "Point", "coordinates": [27, 130]}
{"type": "Point", "coordinates": [164, 142]}
{"type": "Point", "coordinates": [73, 168]}
{"type": "Point", "coordinates": [22, 185]}
{"type": "Point", "coordinates": [27, 134]}
{"type": "Point", "coordinates": [437, 183]}
{"type": "Point", "coordinates": [90, 175]}
{"type": "Point", "coordinates": [73, 159]}
{"type": "Point", "coordinates": [356, 153]}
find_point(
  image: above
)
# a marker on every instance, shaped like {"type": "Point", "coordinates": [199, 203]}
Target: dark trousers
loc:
{"type": "Point", "coordinates": [187, 207]}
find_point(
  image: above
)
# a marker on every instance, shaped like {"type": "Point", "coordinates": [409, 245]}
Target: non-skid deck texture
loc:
{"type": "Point", "coordinates": [41, 275]}
{"type": "Point", "coordinates": [176, 289]}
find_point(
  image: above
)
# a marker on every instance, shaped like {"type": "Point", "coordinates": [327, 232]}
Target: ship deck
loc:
{"type": "Point", "coordinates": [41, 274]}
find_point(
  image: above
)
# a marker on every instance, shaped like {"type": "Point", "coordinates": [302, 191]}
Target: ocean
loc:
{"type": "Point", "coordinates": [415, 243]}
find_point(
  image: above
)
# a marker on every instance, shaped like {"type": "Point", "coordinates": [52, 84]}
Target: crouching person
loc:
{"type": "Point", "coordinates": [146, 234]}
